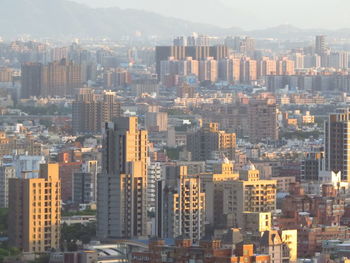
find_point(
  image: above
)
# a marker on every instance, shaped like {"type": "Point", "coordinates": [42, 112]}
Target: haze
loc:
{"type": "Point", "coordinates": [248, 14]}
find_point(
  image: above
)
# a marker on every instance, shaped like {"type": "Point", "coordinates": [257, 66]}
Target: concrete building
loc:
{"type": "Point", "coordinates": [6, 172]}
{"type": "Point", "coordinates": [229, 70]}
{"type": "Point", "coordinates": [31, 80]}
{"type": "Point", "coordinates": [122, 186]}
{"type": "Point", "coordinates": [218, 185]}
{"type": "Point", "coordinates": [35, 211]}
{"type": "Point", "coordinates": [156, 121]}
{"type": "Point", "coordinates": [83, 188]}
{"type": "Point", "coordinates": [61, 78]}
{"type": "Point", "coordinates": [266, 67]}
{"type": "Point", "coordinates": [204, 142]}
{"type": "Point", "coordinates": [250, 194]}
{"type": "Point", "coordinates": [180, 206]}
{"type": "Point", "coordinates": [208, 70]}
{"type": "Point", "coordinates": [311, 166]}
{"type": "Point", "coordinates": [248, 70]}
{"type": "Point", "coordinates": [262, 119]}
{"type": "Point", "coordinates": [271, 244]}
{"type": "Point", "coordinates": [91, 110]}
{"type": "Point", "coordinates": [285, 66]}
{"type": "Point", "coordinates": [337, 150]}
{"type": "Point", "coordinates": [154, 176]}
{"type": "Point", "coordinates": [320, 45]}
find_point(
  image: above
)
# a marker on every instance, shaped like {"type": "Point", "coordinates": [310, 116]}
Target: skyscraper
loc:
{"type": "Point", "coordinates": [122, 186]}
{"type": "Point", "coordinates": [337, 150]}
{"type": "Point", "coordinates": [35, 211]}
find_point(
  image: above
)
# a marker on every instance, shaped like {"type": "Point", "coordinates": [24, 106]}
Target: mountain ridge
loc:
{"type": "Point", "coordinates": [67, 19]}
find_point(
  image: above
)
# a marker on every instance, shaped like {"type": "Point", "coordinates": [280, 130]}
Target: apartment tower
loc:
{"type": "Point", "coordinates": [35, 211]}
{"type": "Point", "coordinates": [122, 186]}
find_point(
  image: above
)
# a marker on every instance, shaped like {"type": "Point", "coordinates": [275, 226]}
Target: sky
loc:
{"type": "Point", "coordinates": [246, 14]}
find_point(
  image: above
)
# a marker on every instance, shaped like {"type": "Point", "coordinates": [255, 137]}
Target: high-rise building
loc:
{"type": "Point", "coordinates": [122, 185]}
{"type": "Point", "coordinates": [116, 77]}
{"type": "Point", "coordinates": [312, 61]}
{"type": "Point", "coordinates": [248, 70]}
{"type": "Point", "coordinates": [180, 41]}
{"type": "Point", "coordinates": [251, 194]}
{"type": "Point", "coordinates": [35, 211]}
{"type": "Point", "coordinates": [266, 67]}
{"type": "Point", "coordinates": [180, 205]}
{"type": "Point", "coordinates": [208, 70]}
{"type": "Point", "coordinates": [298, 59]}
{"type": "Point", "coordinates": [285, 67]}
{"type": "Point", "coordinates": [154, 176]}
{"type": "Point", "coordinates": [164, 52]}
{"type": "Point", "coordinates": [229, 69]}
{"type": "Point", "coordinates": [218, 186]}
{"type": "Point", "coordinates": [6, 172]}
{"type": "Point", "coordinates": [61, 78]}
{"type": "Point", "coordinates": [31, 80]}
{"type": "Point", "coordinates": [91, 110]}
{"type": "Point", "coordinates": [203, 143]}
{"type": "Point", "coordinates": [262, 119]}
{"type": "Point", "coordinates": [83, 188]}
{"type": "Point", "coordinates": [320, 45]}
{"type": "Point", "coordinates": [337, 150]}
{"type": "Point", "coordinates": [196, 52]}
{"type": "Point", "coordinates": [311, 166]}
{"type": "Point", "coordinates": [339, 60]}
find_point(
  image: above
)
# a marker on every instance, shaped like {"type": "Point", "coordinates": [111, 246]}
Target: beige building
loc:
{"type": "Point", "coordinates": [61, 78]}
{"type": "Point", "coordinates": [229, 69]}
{"type": "Point", "coordinates": [208, 70]}
{"type": "Point", "coordinates": [250, 194]}
{"type": "Point", "coordinates": [266, 67]}
{"type": "Point", "coordinates": [256, 222]}
{"type": "Point", "coordinates": [122, 186]}
{"type": "Point", "coordinates": [308, 118]}
{"type": "Point", "coordinates": [285, 66]}
{"type": "Point", "coordinates": [35, 211]}
{"type": "Point", "coordinates": [218, 190]}
{"type": "Point", "coordinates": [182, 210]}
{"type": "Point", "coordinates": [248, 70]}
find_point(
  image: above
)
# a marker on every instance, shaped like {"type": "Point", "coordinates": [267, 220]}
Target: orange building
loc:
{"type": "Point", "coordinates": [35, 211]}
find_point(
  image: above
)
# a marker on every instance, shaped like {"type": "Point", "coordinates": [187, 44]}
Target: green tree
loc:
{"type": "Point", "coordinates": [71, 234]}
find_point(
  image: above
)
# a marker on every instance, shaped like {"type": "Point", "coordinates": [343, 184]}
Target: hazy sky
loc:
{"type": "Point", "coordinates": [247, 14]}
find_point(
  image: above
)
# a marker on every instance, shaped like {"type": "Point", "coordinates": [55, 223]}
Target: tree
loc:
{"type": "Point", "coordinates": [71, 235]}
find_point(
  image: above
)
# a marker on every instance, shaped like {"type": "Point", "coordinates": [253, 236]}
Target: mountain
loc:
{"type": "Point", "coordinates": [66, 19]}
{"type": "Point", "coordinates": [62, 18]}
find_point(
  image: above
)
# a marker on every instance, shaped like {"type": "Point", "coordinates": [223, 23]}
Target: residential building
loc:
{"type": "Point", "coordinates": [35, 211]}
{"type": "Point", "coordinates": [180, 206]}
{"type": "Point", "coordinates": [122, 185]}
